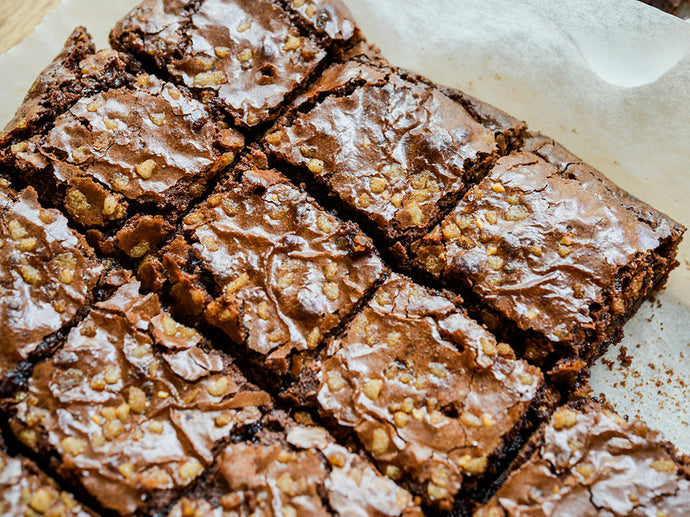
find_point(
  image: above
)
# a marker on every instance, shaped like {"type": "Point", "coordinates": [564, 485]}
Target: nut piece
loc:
{"type": "Point", "coordinates": [210, 79]}
{"type": "Point", "coordinates": [332, 291]}
{"type": "Point", "coordinates": [145, 169]}
{"type": "Point", "coordinates": [663, 466]}
{"type": "Point", "coordinates": [137, 400]}
{"type": "Point", "coordinates": [41, 500]}
{"type": "Point", "coordinates": [315, 166]}
{"type": "Point", "coordinates": [380, 442]}
{"type": "Point", "coordinates": [292, 43]}
{"type": "Point", "coordinates": [190, 469]}
{"type": "Point", "coordinates": [335, 381]}
{"type": "Point", "coordinates": [564, 418]}
{"type": "Point", "coordinates": [73, 446]}
{"type": "Point", "coordinates": [219, 387]}
{"type": "Point", "coordinates": [372, 388]}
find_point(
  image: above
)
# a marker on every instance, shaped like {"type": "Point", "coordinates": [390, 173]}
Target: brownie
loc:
{"type": "Point", "coordinates": [284, 273]}
{"type": "Point", "coordinates": [396, 151]}
{"type": "Point", "coordinates": [126, 162]}
{"type": "Point", "coordinates": [295, 470]}
{"type": "Point", "coordinates": [551, 254]}
{"type": "Point", "coordinates": [243, 57]}
{"type": "Point", "coordinates": [78, 71]}
{"type": "Point", "coordinates": [589, 461]}
{"type": "Point", "coordinates": [48, 274]}
{"type": "Point", "coordinates": [431, 395]}
{"type": "Point", "coordinates": [26, 491]}
{"type": "Point", "coordinates": [132, 406]}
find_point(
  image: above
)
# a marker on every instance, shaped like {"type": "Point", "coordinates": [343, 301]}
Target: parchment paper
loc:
{"type": "Point", "coordinates": [609, 79]}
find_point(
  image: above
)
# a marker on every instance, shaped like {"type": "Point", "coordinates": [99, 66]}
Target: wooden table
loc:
{"type": "Point", "coordinates": [18, 19]}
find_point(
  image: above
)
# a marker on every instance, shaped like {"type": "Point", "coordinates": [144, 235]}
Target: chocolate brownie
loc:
{"type": "Point", "coordinates": [551, 254]}
{"type": "Point", "coordinates": [295, 470]}
{"type": "Point", "coordinates": [131, 407]}
{"type": "Point", "coordinates": [119, 159]}
{"type": "Point", "coordinates": [25, 491]}
{"type": "Point", "coordinates": [396, 151]}
{"type": "Point", "coordinates": [589, 461]}
{"type": "Point", "coordinates": [47, 276]}
{"type": "Point", "coordinates": [78, 71]}
{"type": "Point", "coordinates": [432, 396]}
{"type": "Point", "coordinates": [243, 57]}
{"type": "Point", "coordinates": [285, 274]}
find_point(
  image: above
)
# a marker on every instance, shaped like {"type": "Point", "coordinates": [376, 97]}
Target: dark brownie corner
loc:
{"type": "Point", "coordinates": [25, 491]}
{"type": "Point", "coordinates": [125, 160]}
{"type": "Point", "coordinates": [243, 57]}
{"type": "Point", "coordinates": [557, 258]}
{"type": "Point", "coordinates": [281, 273]}
{"type": "Point", "coordinates": [396, 150]}
{"type": "Point", "coordinates": [589, 461]}
{"type": "Point", "coordinates": [432, 396]}
{"type": "Point", "coordinates": [294, 470]}
{"type": "Point", "coordinates": [131, 408]}
{"type": "Point", "coordinates": [48, 274]}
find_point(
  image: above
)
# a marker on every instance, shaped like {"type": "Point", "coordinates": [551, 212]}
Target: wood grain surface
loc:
{"type": "Point", "coordinates": [19, 18]}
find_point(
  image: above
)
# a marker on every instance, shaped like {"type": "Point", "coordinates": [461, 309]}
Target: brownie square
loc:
{"type": "Point", "coordinates": [243, 57]}
{"type": "Point", "coordinates": [295, 470]}
{"type": "Point", "coordinates": [48, 274]}
{"type": "Point", "coordinates": [131, 407]}
{"type": "Point", "coordinates": [78, 71]}
{"type": "Point", "coordinates": [26, 491]}
{"type": "Point", "coordinates": [556, 258]}
{"type": "Point", "coordinates": [395, 150]}
{"type": "Point", "coordinates": [431, 395]}
{"type": "Point", "coordinates": [285, 274]}
{"type": "Point", "coordinates": [118, 159]}
{"type": "Point", "coordinates": [589, 461]}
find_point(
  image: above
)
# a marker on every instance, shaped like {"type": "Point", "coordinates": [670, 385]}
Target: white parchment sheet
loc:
{"type": "Point", "coordinates": [610, 79]}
